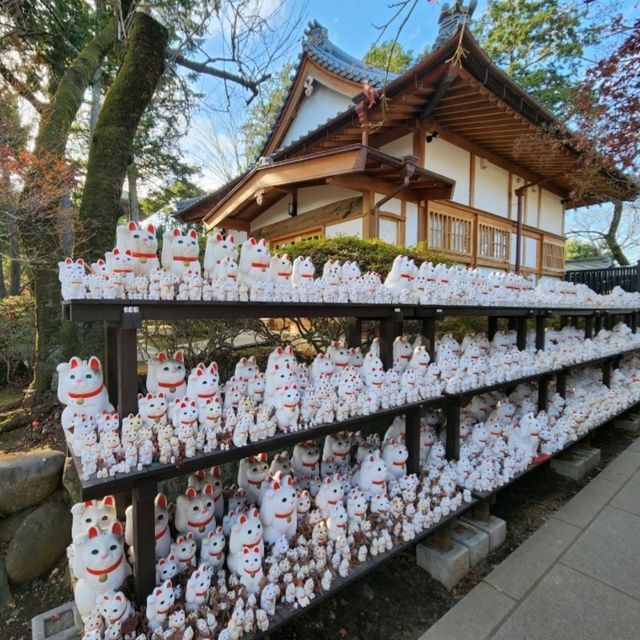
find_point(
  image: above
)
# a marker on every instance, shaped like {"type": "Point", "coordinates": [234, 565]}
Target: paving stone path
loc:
{"type": "Point", "coordinates": [575, 578]}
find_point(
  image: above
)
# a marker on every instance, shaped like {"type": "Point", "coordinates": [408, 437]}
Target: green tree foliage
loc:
{"type": "Point", "coordinates": [539, 43]}
{"type": "Point", "coordinates": [162, 200]}
{"type": "Point", "coordinates": [389, 55]}
{"type": "Point", "coordinates": [575, 248]}
{"type": "Point", "coordinates": [264, 112]}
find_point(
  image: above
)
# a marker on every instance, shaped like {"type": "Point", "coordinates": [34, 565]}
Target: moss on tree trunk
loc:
{"type": "Point", "coordinates": [110, 152]}
{"type": "Point", "coordinates": [37, 223]}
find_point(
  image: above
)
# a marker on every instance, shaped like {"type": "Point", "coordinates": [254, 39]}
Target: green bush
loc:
{"type": "Point", "coordinates": [17, 337]}
{"type": "Point", "coordinates": [371, 255]}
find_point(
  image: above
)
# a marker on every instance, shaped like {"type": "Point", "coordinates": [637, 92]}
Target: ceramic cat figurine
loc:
{"type": "Point", "coordinates": [162, 531]}
{"type": "Point", "coordinates": [195, 512]}
{"type": "Point", "coordinates": [143, 245]}
{"type": "Point", "coordinates": [167, 375]}
{"type": "Point", "coordinates": [81, 388]}
{"type": "Point", "coordinates": [254, 262]}
{"type": "Point", "coordinates": [246, 532]}
{"type": "Point", "coordinates": [217, 249]}
{"type": "Point", "coordinates": [278, 509]}
{"type": "Point", "coordinates": [180, 252]}
{"type": "Point", "coordinates": [99, 565]}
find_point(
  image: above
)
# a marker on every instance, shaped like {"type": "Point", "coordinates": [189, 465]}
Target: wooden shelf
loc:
{"type": "Point", "coordinates": [483, 495]}
{"type": "Point", "coordinates": [116, 311]}
{"type": "Point", "coordinates": [99, 487]}
{"type": "Point", "coordinates": [285, 614]}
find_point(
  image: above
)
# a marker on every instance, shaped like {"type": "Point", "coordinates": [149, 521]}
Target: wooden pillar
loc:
{"type": "Point", "coordinates": [389, 329]}
{"type": "Point", "coordinates": [442, 537]}
{"type": "Point", "coordinates": [452, 413]}
{"type": "Point", "coordinates": [127, 358]}
{"type": "Point", "coordinates": [413, 440]}
{"type": "Point", "coordinates": [354, 332]}
{"type": "Point", "coordinates": [543, 393]}
{"type": "Point", "coordinates": [111, 362]}
{"type": "Point", "coordinates": [561, 383]}
{"type": "Point", "coordinates": [482, 511]}
{"type": "Point", "coordinates": [606, 373]}
{"type": "Point", "coordinates": [598, 323]}
{"type": "Point", "coordinates": [429, 332]}
{"type": "Point", "coordinates": [521, 337]}
{"type": "Point", "coordinates": [540, 334]}
{"type": "Point", "coordinates": [492, 327]}
{"type": "Point", "coordinates": [144, 570]}
{"type": "Point", "coordinates": [588, 327]}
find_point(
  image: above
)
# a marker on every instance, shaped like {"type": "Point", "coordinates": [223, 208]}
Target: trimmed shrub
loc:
{"type": "Point", "coordinates": [371, 255]}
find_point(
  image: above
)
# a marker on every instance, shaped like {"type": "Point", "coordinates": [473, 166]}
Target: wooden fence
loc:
{"type": "Point", "coordinates": [604, 280]}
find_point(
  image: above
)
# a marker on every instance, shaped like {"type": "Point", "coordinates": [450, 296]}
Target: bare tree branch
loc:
{"type": "Point", "coordinates": [21, 88]}
{"type": "Point", "coordinates": [202, 67]}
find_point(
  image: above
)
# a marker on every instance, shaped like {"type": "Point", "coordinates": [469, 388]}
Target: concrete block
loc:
{"type": "Point", "coordinates": [570, 466]}
{"type": "Point", "coordinates": [476, 540]}
{"type": "Point", "coordinates": [630, 423]}
{"type": "Point", "coordinates": [590, 455]}
{"type": "Point", "coordinates": [447, 567]}
{"type": "Point", "coordinates": [61, 623]}
{"type": "Point", "coordinates": [495, 528]}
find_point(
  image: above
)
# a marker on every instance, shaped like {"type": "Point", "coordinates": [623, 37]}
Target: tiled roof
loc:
{"type": "Point", "coordinates": [318, 47]}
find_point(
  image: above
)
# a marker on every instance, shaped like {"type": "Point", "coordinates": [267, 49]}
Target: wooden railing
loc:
{"type": "Point", "coordinates": [604, 280]}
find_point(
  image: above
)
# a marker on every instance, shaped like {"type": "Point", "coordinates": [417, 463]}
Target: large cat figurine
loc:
{"type": "Point", "coordinates": [167, 375]}
{"type": "Point", "coordinates": [81, 388]}
{"type": "Point", "coordinates": [143, 245]}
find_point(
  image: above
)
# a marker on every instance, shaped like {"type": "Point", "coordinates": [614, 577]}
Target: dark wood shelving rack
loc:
{"type": "Point", "coordinates": [123, 318]}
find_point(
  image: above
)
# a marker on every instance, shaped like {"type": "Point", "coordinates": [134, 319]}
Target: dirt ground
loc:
{"type": "Point", "coordinates": [398, 601]}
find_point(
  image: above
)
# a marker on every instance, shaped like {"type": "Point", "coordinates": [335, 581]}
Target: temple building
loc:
{"type": "Point", "coordinates": [444, 153]}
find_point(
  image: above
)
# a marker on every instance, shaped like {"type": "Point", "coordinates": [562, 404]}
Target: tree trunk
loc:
{"type": "Point", "coordinates": [14, 254]}
{"type": "Point", "coordinates": [611, 236]}
{"type": "Point", "coordinates": [37, 225]}
{"type": "Point", "coordinates": [96, 86]}
{"type": "Point", "coordinates": [110, 152]}
{"type": "Point", "coordinates": [3, 286]}
{"type": "Point", "coordinates": [132, 183]}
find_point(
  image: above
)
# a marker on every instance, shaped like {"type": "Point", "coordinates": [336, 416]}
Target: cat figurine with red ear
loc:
{"type": "Point", "coordinates": [162, 532]}
{"type": "Point", "coordinates": [143, 245]}
{"type": "Point", "coordinates": [217, 249]}
{"type": "Point", "coordinates": [72, 278]}
{"type": "Point", "coordinates": [255, 261]}
{"type": "Point", "coordinates": [180, 252]}
{"type": "Point", "coordinates": [167, 375]}
{"type": "Point", "coordinates": [81, 388]}
{"type": "Point", "coordinates": [195, 512]}
{"type": "Point", "coordinates": [278, 509]}
{"type": "Point", "coordinates": [99, 565]}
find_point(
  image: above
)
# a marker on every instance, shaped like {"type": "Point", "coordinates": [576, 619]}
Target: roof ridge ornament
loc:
{"type": "Point", "coordinates": [316, 34]}
{"type": "Point", "coordinates": [452, 18]}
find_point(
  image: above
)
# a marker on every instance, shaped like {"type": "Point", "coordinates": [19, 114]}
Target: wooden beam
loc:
{"type": "Point", "coordinates": [450, 75]}
{"type": "Point", "coordinates": [419, 143]}
{"type": "Point", "coordinates": [328, 214]}
{"type": "Point", "coordinates": [368, 216]}
{"type": "Point", "coordinates": [472, 179]}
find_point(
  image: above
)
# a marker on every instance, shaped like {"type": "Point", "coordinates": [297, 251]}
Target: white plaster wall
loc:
{"type": "Point", "coordinates": [452, 162]}
{"type": "Point", "coordinates": [491, 188]}
{"type": "Point", "coordinates": [530, 253]}
{"type": "Point", "coordinates": [346, 228]}
{"type": "Point", "coordinates": [322, 105]}
{"type": "Point", "coordinates": [489, 269]}
{"type": "Point", "coordinates": [551, 212]}
{"type": "Point", "coordinates": [391, 206]}
{"type": "Point", "coordinates": [389, 230]}
{"type": "Point", "coordinates": [275, 213]}
{"type": "Point", "coordinates": [399, 147]}
{"type": "Point", "coordinates": [531, 212]}
{"type": "Point", "coordinates": [411, 224]}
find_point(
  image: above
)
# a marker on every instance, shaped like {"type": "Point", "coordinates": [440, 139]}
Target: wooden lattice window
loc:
{"type": "Point", "coordinates": [552, 256]}
{"type": "Point", "coordinates": [287, 241]}
{"type": "Point", "coordinates": [449, 232]}
{"type": "Point", "coordinates": [493, 242]}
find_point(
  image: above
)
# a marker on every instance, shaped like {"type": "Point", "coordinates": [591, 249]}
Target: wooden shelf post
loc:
{"type": "Point", "coordinates": [452, 413]}
{"type": "Point", "coordinates": [412, 418]}
{"type": "Point", "coordinates": [144, 544]}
